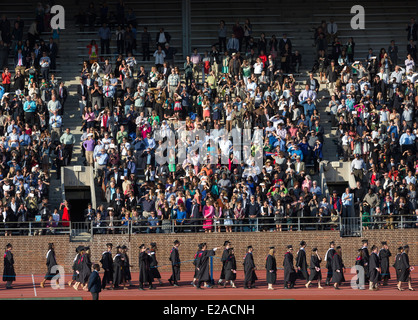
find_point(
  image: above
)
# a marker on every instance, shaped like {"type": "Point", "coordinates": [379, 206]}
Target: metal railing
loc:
{"type": "Point", "coordinates": [352, 226]}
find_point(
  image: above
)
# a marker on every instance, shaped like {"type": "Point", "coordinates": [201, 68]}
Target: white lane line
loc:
{"type": "Point", "coordinates": [33, 281]}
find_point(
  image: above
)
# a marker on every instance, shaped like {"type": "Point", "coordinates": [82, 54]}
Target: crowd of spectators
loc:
{"type": "Point", "coordinates": [245, 81]}
{"type": "Point", "coordinates": [32, 101]}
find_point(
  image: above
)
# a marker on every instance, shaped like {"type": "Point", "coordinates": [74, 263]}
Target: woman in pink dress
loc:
{"type": "Point", "coordinates": [65, 213]}
{"type": "Point", "coordinates": [208, 213]}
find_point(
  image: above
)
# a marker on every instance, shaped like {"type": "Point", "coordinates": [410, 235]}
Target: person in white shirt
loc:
{"type": "Point", "coordinates": [397, 74]}
{"type": "Point", "coordinates": [251, 87]}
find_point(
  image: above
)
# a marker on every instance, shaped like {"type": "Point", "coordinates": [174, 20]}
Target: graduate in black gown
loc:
{"type": "Point", "coordinates": [203, 266]}
{"type": "Point", "coordinates": [301, 262]}
{"type": "Point", "coordinates": [337, 268]}
{"type": "Point", "coordinates": [78, 267]}
{"type": "Point", "coordinates": [107, 265]}
{"type": "Point", "coordinates": [366, 257]}
{"type": "Point", "coordinates": [328, 259]}
{"type": "Point", "coordinates": [9, 274]}
{"type": "Point", "coordinates": [230, 268]}
{"type": "Point", "coordinates": [50, 263]}
{"type": "Point", "coordinates": [405, 269]}
{"type": "Point", "coordinates": [250, 276]}
{"type": "Point", "coordinates": [360, 282]}
{"type": "Point", "coordinates": [384, 255]}
{"type": "Point", "coordinates": [271, 269]}
{"type": "Point", "coordinates": [227, 245]}
{"type": "Point", "coordinates": [397, 263]}
{"type": "Point", "coordinates": [289, 269]}
{"type": "Point", "coordinates": [126, 265]}
{"type": "Point", "coordinates": [144, 263]}
{"type": "Point", "coordinates": [74, 266]}
{"type": "Point", "coordinates": [155, 273]}
{"type": "Point", "coordinates": [175, 264]}
{"type": "Point", "coordinates": [118, 275]}
{"type": "Point", "coordinates": [86, 266]}
{"type": "Point", "coordinates": [196, 258]}
{"type": "Point", "coordinates": [315, 267]}
{"type": "Point", "coordinates": [374, 269]}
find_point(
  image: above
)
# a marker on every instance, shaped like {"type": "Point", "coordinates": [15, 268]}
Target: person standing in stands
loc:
{"type": "Point", "coordinates": [175, 264]}
{"type": "Point", "coordinates": [9, 274]}
{"type": "Point", "coordinates": [50, 263]}
{"type": "Point", "coordinates": [107, 265]}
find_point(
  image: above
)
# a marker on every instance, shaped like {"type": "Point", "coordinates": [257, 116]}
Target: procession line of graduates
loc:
{"type": "Point", "coordinates": [373, 267]}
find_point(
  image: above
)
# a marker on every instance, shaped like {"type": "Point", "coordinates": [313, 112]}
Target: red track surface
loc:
{"type": "Point", "coordinates": [24, 288]}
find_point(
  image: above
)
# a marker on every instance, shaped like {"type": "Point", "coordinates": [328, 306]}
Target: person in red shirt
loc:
{"type": "Point", "coordinates": [6, 77]}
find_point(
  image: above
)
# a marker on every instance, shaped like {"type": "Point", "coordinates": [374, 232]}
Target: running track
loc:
{"type": "Point", "coordinates": [25, 288]}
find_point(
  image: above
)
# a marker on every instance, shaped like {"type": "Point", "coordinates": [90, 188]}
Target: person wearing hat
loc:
{"type": "Point", "coordinates": [155, 274]}
{"type": "Point", "coordinates": [315, 267]}
{"type": "Point", "coordinates": [366, 257]}
{"type": "Point", "coordinates": [9, 274]}
{"type": "Point", "coordinates": [396, 263]}
{"type": "Point", "coordinates": [107, 265]}
{"type": "Point", "coordinates": [271, 268]}
{"type": "Point", "coordinates": [230, 268]}
{"type": "Point", "coordinates": [196, 263]}
{"type": "Point", "coordinates": [337, 268]}
{"type": "Point", "coordinates": [50, 263]}
{"type": "Point", "coordinates": [175, 264]}
{"type": "Point", "coordinates": [289, 269]}
{"type": "Point", "coordinates": [249, 269]}
{"type": "Point", "coordinates": [144, 262]}
{"type": "Point", "coordinates": [85, 268]}
{"type": "Point", "coordinates": [225, 254]}
{"type": "Point", "coordinates": [404, 269]}
{"type": "Point", "coordinates": [328, 258]}
{"type": "Point", "coordinates": [374, 269]}
{"type": "Point", "coordinates": [78, 267]}
{"type": "Point", "coordinates": [118, 275]}
{"type": "Point", "coordinates": [126, 268]}
{"type": "Point", "coordinates": [384, 255]}
{"type": "Point", "coordinates": [203, 265]}
{"type": "Point", "coordinates": [301, 262]}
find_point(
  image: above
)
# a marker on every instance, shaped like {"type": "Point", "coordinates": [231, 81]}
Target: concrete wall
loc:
{"type": "Point", "coordinates": [29, 252]}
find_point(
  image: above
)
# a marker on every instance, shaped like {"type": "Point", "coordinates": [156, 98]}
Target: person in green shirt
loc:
{"type": "Point", "coordinates": [121, 134]}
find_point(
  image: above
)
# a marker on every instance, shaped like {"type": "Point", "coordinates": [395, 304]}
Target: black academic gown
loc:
{"type": "Point", "coordinates": [315, 263]}
{"type": "Point", "coordinates": [404, 268]}
{"type": "Point", "coordinates": [126, 268]}
{"type": "Point", "coordinates": [196, 263]}
{"type": "Point", "coordinates": [302, 264]}
{"type": "Point", "coordinates": [117, 270]}
{"type": "Point", "coordinates": [204, 269]}
{"type": "Point", "coordinates": [225, 255]}
{"type": "Point", "coordinates": [384, 263]}
{"type": "Point", "coordinates": [155, 273]}
{"type": "Point", "coordinates": [9, 270]}
{"type": "Point", "coordinates": [85, 268]}
{"type": "Point", "coordinates": [230, 264]}
{"type": "Point", "coordinates": [374, 274]}
{"type": "Point", "coordinates": [50, 262]}
{"type": "Point", "coordinates": [271, 269]}
{"type": "Point", "coordinates": [175, 265]}
{"type": "Point", "coordinates": [366, 257]}
{"type": "Point", "coordinates": [75, 267]}
{"type": "Point", "coordinates": [107, 266]}
{"type": "Point", "coordinates": [337, 264]}
{"type": "Point", "coordinates": [328, 258]}
{"type": "Point", "coordinates": [249, 272]}
{"type": "Point", "coordinates": [397, 266]}
{"type": "Point", "coordinates": [289, 269]}
{"type": "Point", "coordinates": [144, 262]}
